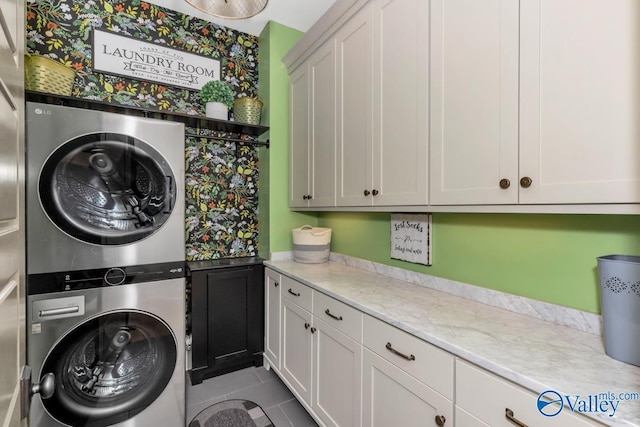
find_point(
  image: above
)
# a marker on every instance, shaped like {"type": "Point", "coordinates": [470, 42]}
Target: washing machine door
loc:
{"type": "Point", "coordinates": [107, 188]}
{"type": "Point", "coordinates": [110, 368]}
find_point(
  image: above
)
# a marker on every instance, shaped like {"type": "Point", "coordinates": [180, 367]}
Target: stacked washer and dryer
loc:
{"type": "Point", "coordinates": [105, 268]}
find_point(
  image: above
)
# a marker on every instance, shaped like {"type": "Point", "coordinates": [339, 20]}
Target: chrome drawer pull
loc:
{"type": "Point", "coordinates": [58, 311]}
{"type": "Point", "coordinates": [293, 293]}
{"type": "Point", "coordinates": [397, 353]}
{"type": "Point", "coordinates": [508, 413]}
{"type": "Point", "coordinates": [328, 313]}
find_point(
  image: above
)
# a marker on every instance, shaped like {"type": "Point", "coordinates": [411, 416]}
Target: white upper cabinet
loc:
{"type": "Point", "coordinates": [401, 97]}
{"type": "Point", "coordinates": [299, 137]}
{"type": "Point", "coordinates": [383, 69]}
{"type": "Point", "coordinates": [580, 101]}
{"type": "Point", "coordinates": [469, 105]}
{"type": "Point", "coordinates": [534, 102]}
{"type": "Point", "coordinates": [322, 68]}
{"type": "Point", "coordinates": [474, 101]}
{"type": "Point", "coordinates": [312, 98]}
{"type": "Point", "coordinates": [355, 104]}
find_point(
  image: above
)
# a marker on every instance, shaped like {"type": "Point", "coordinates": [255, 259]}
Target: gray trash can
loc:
{"type": "Point", "coordinates": [620, 296]}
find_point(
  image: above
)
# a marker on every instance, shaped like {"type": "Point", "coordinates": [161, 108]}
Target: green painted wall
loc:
{"type": "Point", "coordinates": [546, 257]}
{"type": "Point", "coordinates": [275, 218]}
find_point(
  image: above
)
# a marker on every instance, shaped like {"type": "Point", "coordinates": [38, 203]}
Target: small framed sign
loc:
{"type": "Point", "coordinates": [411, 238]}
{"type": "Point", "coordinates": [129, 57]}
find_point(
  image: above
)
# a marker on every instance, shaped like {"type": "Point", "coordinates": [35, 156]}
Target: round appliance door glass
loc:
{"type": "Point", "coordinates": [107, 189]}
{"type": "Point", "coordinates": [110, 368]}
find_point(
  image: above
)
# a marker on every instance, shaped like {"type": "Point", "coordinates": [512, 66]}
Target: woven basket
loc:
{"type": "Point", "coordinates": [42, 74]}
{"type": "Point", "coordinates": [247, 110]}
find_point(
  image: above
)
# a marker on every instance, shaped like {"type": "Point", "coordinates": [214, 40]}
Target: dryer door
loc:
{"type": "Point", "coordinates": [107, 189]}
{"type": "Point", "coordinates": [110, 368]}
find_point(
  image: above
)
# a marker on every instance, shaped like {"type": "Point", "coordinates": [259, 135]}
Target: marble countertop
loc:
{"type": "Point", "coordinates": [536, 354]}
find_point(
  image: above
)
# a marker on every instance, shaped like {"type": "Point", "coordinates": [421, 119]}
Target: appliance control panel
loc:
{"type": "Point", "coordinates": [115, 276]}
{"type": "Point", "coordinates": [103, 277]}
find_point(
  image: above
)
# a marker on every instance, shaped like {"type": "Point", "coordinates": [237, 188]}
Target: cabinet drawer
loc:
{"type": "Point", "coordinates": [297, 292]}
{"type": "Point", "coordinates": [346, 319]}
{"type": "Point", "coordinates": [425, 362]}
{"type": "Point", "coordinates": [486, 397]}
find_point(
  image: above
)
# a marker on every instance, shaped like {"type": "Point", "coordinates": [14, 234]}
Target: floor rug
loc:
{"type": "Point", "coordinates": [232, 413]}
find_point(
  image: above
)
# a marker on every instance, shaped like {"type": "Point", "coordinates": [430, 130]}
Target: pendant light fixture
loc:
{"type": "Point", "coordinates": [229, 9]}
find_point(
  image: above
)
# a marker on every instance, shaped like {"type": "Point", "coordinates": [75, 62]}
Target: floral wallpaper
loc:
{"type": "Point", "coordinates": [221, 178]}
{"type": "Point", "coordinates": [61, 30]}
{"type": "Point", "coordinates": [221, 199]}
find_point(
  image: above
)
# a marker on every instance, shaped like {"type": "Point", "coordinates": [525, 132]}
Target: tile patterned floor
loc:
{"type": "Point", "coordinates": [256, 384]}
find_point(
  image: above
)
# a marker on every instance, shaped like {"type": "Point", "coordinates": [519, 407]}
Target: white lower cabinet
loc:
{"type": "Point", "coordinates": [391, 397]}
{"type": "Point", "coordinates": [463, 418]}
{"type": "Point", "coordinates": [337, 376]}
{"type": "Point", "coordinates": [406, 381]}
{"type": "Point", "coordinates": [321, 364]}
{"type": "Point", "coordinates": [337, 362]}
{"type": "Point", "coordinates": [272, 281]}
{"type": "Point", "coordinates": [297, 348]}
{"type": "Point", "coordinates": [484, 399]}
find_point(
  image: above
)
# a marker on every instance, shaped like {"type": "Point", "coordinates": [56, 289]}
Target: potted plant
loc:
{"type": "Point", "coordinates": [218, 98]}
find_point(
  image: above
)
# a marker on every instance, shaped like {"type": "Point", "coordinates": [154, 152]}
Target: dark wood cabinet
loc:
{"type": "Point", "coordinates": [227, 316]}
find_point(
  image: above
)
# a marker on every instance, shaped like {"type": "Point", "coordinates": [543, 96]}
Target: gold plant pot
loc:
{"type": "Point", "coordinates": [42, 74]}
{"type": "Point", "coordinates": [247, 110]}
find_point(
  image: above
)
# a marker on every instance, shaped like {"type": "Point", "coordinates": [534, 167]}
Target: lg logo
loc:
{"type": "Point", "coordinates": [550, 403]}
{"type": "Point", "coordinates": [41, 111]}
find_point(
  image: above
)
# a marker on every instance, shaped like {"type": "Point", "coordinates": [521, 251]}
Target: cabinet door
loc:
{"type": "Point", "coordinates": [354, 154]}
{"type": "Point", "coordinates": [299, 137]}
{"type": "Point", "coordinates": [234, 315]}
{"type": "Point", "coordinates": [485, 398]}
{"type": "Point", "coordinates": [297, 348]}
{"type": "Point", "coordinates": [400, 106]}
{"type": "Point", "coordinates": [474, 101]}
{"type": "Point", "coordinates": [580, 102]}
{"type": "Point", "coordinates": [227, 320]}
{"type": "Point", "coordinates": [337, 376]}
{"type": "Point", "coordinates": [465, 419]}
{"type": "Point", "coordinates": [272, 317]}
{"type": "Point", "coordinates": [391, 397]}
{"type": "Point", "coordinates": [322, 69]}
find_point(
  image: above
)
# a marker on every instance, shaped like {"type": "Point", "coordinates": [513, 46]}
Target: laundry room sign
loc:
{"type": "Point", "coordinates": [131, 57]}
{"type": "Point", "coordinates": [411, 238]}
